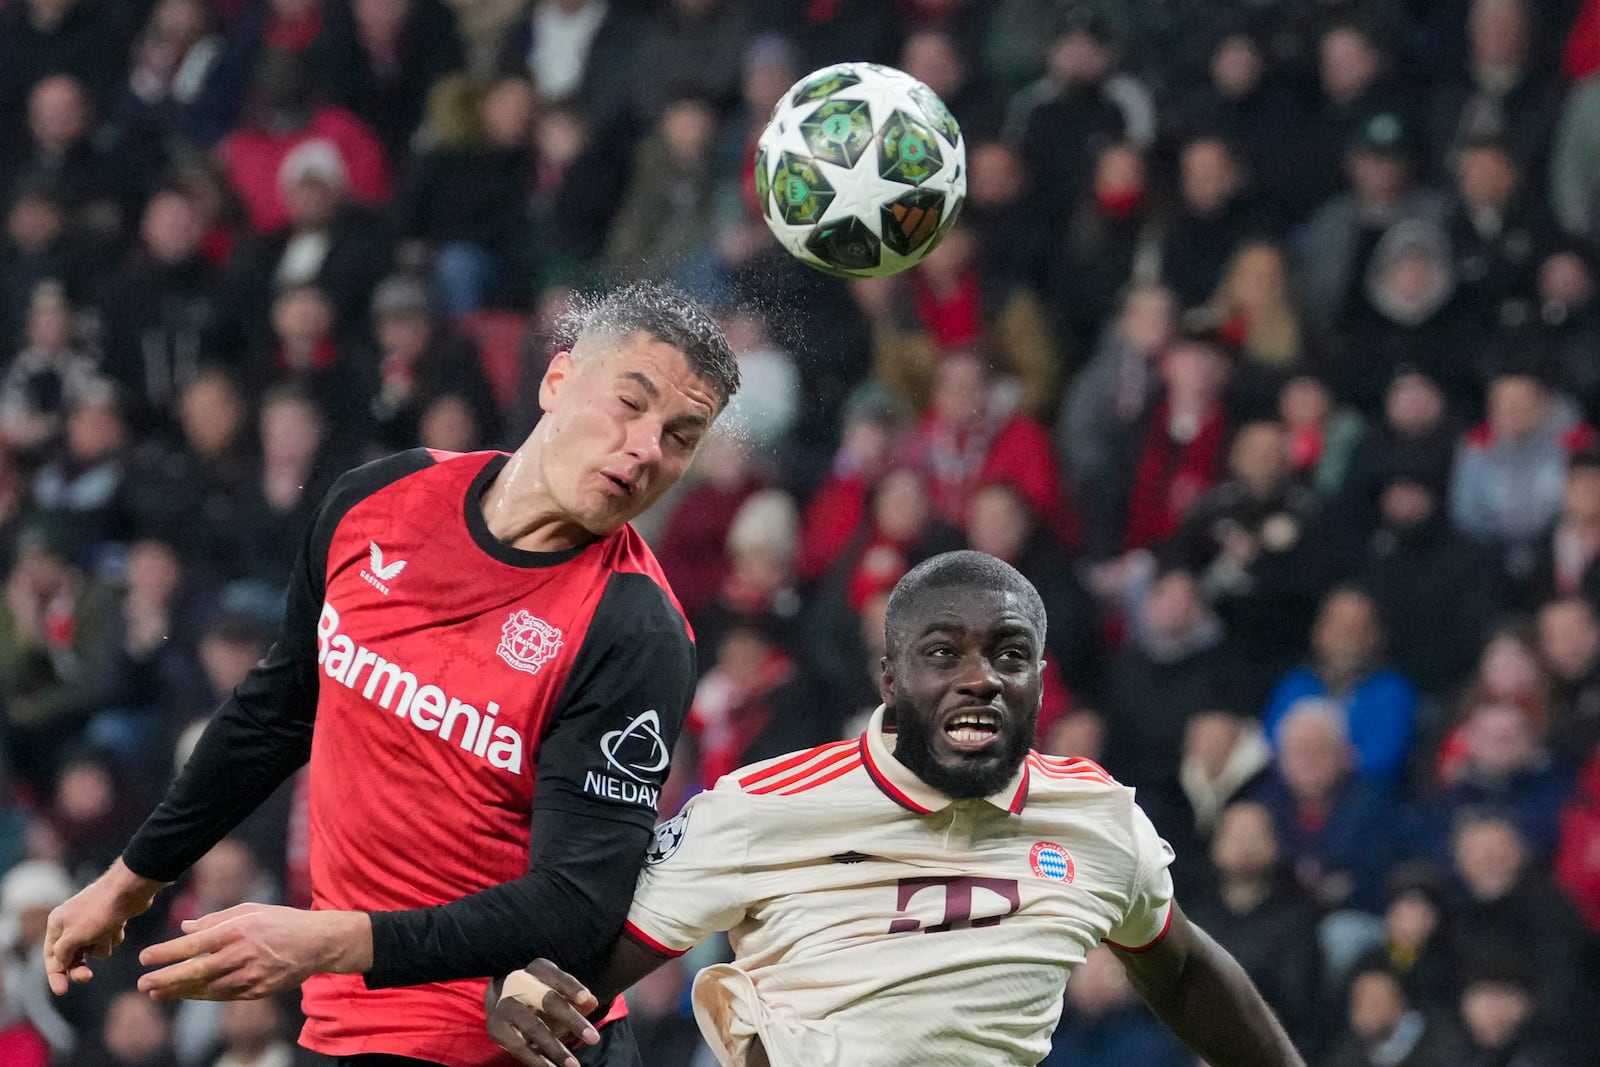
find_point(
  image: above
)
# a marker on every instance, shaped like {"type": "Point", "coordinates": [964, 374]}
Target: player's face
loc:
{"type": "Point", "coordinates": [621, 427]}
{"type": "Point", "coordinates": [965, 690]}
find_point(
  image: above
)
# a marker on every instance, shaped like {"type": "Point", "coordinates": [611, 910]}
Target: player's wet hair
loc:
{"type": "Point", "coordinates": [669, 315]}
{"type": "Point", "coordinates": [977, 571]}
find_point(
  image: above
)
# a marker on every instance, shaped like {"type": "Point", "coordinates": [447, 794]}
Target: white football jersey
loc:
{"type": "Point", "coordinates": [877, 923]}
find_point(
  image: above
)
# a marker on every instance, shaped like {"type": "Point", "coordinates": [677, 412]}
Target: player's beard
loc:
{"type": "Point", "coordinates": [973, 778]}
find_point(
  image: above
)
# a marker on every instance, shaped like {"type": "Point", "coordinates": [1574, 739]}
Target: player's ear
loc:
{"type": "Point", "coordinates": [886, 680]}
{"type": "Point", "coordinates": [555, 376]}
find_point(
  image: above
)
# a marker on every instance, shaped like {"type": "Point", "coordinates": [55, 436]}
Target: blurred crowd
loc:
{"type": "Point", "coordinates": [1267, 347]}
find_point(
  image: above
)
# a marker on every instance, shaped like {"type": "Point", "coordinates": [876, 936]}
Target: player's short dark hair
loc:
{"type": "Point", "coordinates": [965, 569]}
{"type": "Point", "coordinates": [669, 315]}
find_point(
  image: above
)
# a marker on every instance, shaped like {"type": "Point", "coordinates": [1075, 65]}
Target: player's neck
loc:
{"type": "Point", "coordinates": [519, 510]}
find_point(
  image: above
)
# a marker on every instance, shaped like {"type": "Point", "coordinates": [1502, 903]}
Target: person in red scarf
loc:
{"type": "Point", "coordinates": [1186, 443]}
{"type": "Point", "coordinates": [970, 437]}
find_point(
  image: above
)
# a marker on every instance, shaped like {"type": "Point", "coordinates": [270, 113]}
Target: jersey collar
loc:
{"type": "Point", "coordinates": [897, 782]}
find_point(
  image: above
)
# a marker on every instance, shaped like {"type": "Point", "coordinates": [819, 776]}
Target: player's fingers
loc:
{"type": "Point", "coordinates": [181, 948]}
{"type": "Point", "coordinates": [516, 1043]}
{"type": "Point", "coordinates": [567, 1021]}
{"type": "Point", "coordinates": [184, 979]}
{"type": "Point", "coordinates": [537, 1034]}
{"type": "Point", "coordinates": [563, 983]}
{"type": "Point", "coordinates": [216, 918]}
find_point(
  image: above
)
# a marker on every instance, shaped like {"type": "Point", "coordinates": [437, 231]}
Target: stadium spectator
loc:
{"type": "Point", "coordinates": [578, 51]}
{"type": "Point", "coordinates": [1503, 90]}
{"type": "Point", "coordinates": [668, 209]}
{"type": "Point", "coordinates": [419, 359]}
{"type": "Point", "coordinates": [137, 1033]}
{"type": "Point", "coordinates": [252, 1033]}
{"type": "Point", "coordinates": [1416, 941]}
{"type": "Point", "coordinates": [1104, 1021]}
{"type": "Point", "coordinates": [1387, 1028]}
{"type": "Point", "coordinates": [1181, 449]}
{"type": "Point", "coordinates": [53, 630]}
{"type": "Point", "coordinates": [85, 482]}
{"type": "Point", "coordinates": [1507, 770]}
{"type": "Point", "coordinates": [285, 116]}
{"type": "Point", "coordinates": [1417, 434]}
{"type": "Point", "coordinates": [1419, 570]}
{"type": "Point", "coordinates": [1107, 244]}
{"type": "Point", "coordinates": [1512, 915]}
{"type": "Point", "coordinates": [1000, 207]}
{"type": "Point", "coordinates": [1377, 702]}
{"type": "Point", "coordinates": [1510, 472]}
{"type": "Point", "coordinates": [1498, 232]}
{"type": "Point", "coordinates": [286, 487]}
{"type": "Point", "coordinates": [1262, 917]}
{"type": "Point", "coordinates": [32, 1028]}
{"type": "Point", "coordinates": [1082, 101]}
{"type": "Point", "coordinates": [1257, 544]}
{"type": "Point", "coordinates": [1566, 321]}
{"type": "Point", "coordinates": [328, 242]}
{"type": "Point", "coordinates": [950, 304]}
{"type": "Point", "coordinates": [693, 545]}
{"type": "Point", "coordinates": [164, 308]}
{"type": "Point", "coordinates": [1322, 434]}
{"type": "Point", "coordinates": [1569, 645]}
{"type": "Point", "coordinates": [49, 373]}
{"type": "Point", "coordinates": [1175, 664]}
{"type": "Point", "coordinates": [970, 436]}
{"type": "Point", "coordinates": [41, 38]}
{"type": "Point", "coordinates": [1213, 218]}
{"type": "Point", "coordinates": [383, 57]}
{"type": "Point", "coordinates": [1252, 305]}
{"type": "Point", "coordinates": [1576, 866]}
{"type": "Point", "coordinates": [464, 203]}
{"type": "Point", "coordinates": [62, 148]}
{"type": "Point", "coordinates": [1105, 408]}
{"type": "Point", "coordinates": [1338, 833]}
{"type": "Point", "coordinates": [1498, 1009]}
{"type": "Point", "coordinates": [156, 113]}
{"type": "Point", "coordinates": [1335, 246]}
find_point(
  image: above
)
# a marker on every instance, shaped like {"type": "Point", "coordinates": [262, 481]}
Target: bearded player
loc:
{"type": "Point", "coordinates": [921, 894]}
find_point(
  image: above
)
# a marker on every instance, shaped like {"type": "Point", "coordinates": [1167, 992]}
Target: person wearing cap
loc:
{"type": "Point", "coordinates": [1336, 244]}
{"type": "Point", "coordinates": [330, 240]}
{"type": "Point", "coordinates": [419, 360]}
{"type": "Point", "coordinates": [27, 893]}
{"type": "Point", "coordinates": [283, 116]}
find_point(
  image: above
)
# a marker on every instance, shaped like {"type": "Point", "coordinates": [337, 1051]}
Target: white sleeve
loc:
{"type": "Point", "coordinates": [1149, 909]}
{"type": "Point", "coordinates": [692, 882]}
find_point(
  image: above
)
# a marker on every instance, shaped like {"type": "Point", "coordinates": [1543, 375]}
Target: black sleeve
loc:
{"type": "Point", "coordinates": [600, 769]}
{"type": "Point", "coordinates": [262, 732]}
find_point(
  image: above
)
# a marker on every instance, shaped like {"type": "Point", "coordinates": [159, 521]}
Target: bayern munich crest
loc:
{"type": "Point", "coordinates": [527, 642]}
{"type": "Point", "coordinates": [1050, 860]}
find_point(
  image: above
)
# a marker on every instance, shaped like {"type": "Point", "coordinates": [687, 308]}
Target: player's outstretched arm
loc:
{"type": "Point", "coordinates": [536, 1013]}
{"type": "Point", "coordinates": [1202, 994]}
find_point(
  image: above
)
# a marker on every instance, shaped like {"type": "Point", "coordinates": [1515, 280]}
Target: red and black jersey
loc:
{"type": "Point", "coordinates": [488, 731]}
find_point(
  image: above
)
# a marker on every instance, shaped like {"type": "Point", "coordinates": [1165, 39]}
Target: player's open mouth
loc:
{"type": "Point", "coordinates": [622, 485]}
{"type": "Point", "coordinates": [973, 729]}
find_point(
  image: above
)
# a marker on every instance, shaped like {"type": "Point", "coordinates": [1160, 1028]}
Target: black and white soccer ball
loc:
{"type": "Point", "coordinates": [861, 170]}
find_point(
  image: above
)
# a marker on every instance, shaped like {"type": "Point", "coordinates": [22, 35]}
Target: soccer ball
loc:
{"type": "Point", "coordinates": [861, 170]}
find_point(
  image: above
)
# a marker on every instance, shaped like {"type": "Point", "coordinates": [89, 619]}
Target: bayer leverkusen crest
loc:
{"type": "Point", "coordinates": [527, 642]}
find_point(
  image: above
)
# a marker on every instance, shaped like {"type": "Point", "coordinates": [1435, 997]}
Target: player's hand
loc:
{"type": "Point", "coordinates": [540, 1009]}
{"type": "Point", "coordinates": [92, 924]}
{"type": "Point", "coordinates": [255, 950]}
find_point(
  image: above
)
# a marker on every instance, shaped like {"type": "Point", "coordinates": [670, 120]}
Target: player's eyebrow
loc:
{"type": "Point", "coordinates": [693, 420]}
